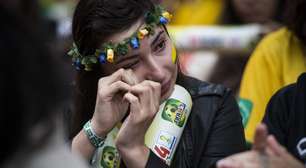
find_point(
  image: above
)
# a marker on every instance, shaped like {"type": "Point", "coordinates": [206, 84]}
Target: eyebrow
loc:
{"type": "Point", "coordinates": [157, 37]}
{"type": "Point", "coordinates": [125, 58]}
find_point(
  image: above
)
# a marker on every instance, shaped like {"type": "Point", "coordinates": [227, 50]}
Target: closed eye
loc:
{"type": "Point", "coordinates": [131, 64]}
{"type": "Point", "coordinates": [160, 46]}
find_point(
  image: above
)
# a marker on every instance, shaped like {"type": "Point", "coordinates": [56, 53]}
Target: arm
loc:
{"type": "Point", "coordinates": [144, 99]}
{"type": "Point", "coordinates": [277, 113]}
{"type": "Point", "coordinates": [109, 110]}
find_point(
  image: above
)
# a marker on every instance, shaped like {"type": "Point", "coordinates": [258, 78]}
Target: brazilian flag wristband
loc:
{"type": "Point", "coordinates": [94, 139]}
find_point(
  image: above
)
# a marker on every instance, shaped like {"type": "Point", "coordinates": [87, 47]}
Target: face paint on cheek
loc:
{"type": "Point", "coordinates": [173, 54]}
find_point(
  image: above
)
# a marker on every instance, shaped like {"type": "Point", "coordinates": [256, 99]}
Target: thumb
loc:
{"type": "Point", "coordinates": [260, 139]}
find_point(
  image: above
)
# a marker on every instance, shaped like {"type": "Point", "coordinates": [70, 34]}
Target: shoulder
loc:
{"type": "Point", "coordinates": [287, 94]}
{"type": "Point", "coordinates": [282, 100]}
{"type": "Point", "coordinates": [198, 88]}
{"type": "Point", "coordinates": [277, 38]}
{"type": "Point", "coordinates": [209, 99]}
{"type": "Point", "coordinates": [275, 44]}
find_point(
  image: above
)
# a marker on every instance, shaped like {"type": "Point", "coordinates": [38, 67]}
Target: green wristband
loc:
{"type": "Point", "coordinates": [94, 139]}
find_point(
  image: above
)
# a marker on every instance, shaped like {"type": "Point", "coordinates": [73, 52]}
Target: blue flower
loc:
{"type": "Point", "coordinates": [134, 43]}
{"type": "Point", "coordinates": [78, 64]}
{"type": "Point", "coordinates": [102, 58]}
{"type": "Point", "coordinates": [163, 20]}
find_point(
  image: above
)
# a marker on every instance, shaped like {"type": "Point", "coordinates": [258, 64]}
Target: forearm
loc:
{"type": "Point", "coordinates": [81, 145]}
{"type": "Point", "coordinates": [136, 157]}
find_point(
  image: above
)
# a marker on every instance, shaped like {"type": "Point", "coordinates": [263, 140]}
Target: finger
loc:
{"type": "Point", "coordinates": [269, 151]}
{"type": "Point", "coordinates": [135, 107]}
{"type": "Point", "coordinates": [227, 163]}
{"type": "Point", "coordinates": [156, 94]}
{"type": "Point", "coordinates": [144, 93]}
{"type": "Point", "coordinates": [130, 77]}
{"type": "Point", "coordinates": [118, 86]}
{"type": "Point", "coordinates": [153, 86]}
{"type": "Point", "coordinates": [156, 90]}
{"type": "Point", "coordinates": [275, 147]}
{"type": "Point", "coordinates": [260, 139]}
{"type": "Point", "coordinates": [112, 78]}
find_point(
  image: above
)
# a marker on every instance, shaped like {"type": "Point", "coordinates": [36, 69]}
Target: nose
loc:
{"type": "Point", "coordinates": [154, 70]}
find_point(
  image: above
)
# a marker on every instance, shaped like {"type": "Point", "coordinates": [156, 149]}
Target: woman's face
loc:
{"type": "Point", "coordinates": [255, 11]}
{"type": "Point", "coordinates": [151, 61]}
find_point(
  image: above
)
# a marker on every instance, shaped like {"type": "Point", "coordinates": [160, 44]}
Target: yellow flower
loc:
{"type": "Point", "coordinates": [110, 55]}
{"type": "Point", "coordinates": [142, 33]}
{"type": "Point", "coordinates": [167, 15]}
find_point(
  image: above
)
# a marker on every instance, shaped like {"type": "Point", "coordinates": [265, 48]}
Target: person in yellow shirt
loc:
{"type": "Point", "coordinates": [277, 61]}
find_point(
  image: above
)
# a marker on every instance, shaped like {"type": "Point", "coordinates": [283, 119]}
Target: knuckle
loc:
{"type": "Point", "coordinates": [134, 100]}
{"type": "Point", "coordinates": [151, 115]}
{"type": "Point", "coordinates": [100, 93]}
{"type": "Point", "coordinates": [121, 71]}
{"type": "Point", "coordinates": [140, 88]}
{"type": "Point", "coordinates": [118, 83]}
{"type": "Point", "coordinates": [156, 85]}
{"type": "Point", "coordinates": [101, 80]}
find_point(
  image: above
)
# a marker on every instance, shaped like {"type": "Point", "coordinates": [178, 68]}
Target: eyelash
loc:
{"type": "Point", "coordinates": [158, 48]}
{"type": "Point", "coordinates": [131, 65]}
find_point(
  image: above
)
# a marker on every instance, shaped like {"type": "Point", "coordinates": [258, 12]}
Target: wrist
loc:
{"type": "Point", "coordinates": [96, 140]}
{"type": "Point", "coordinates": [98, 128]}
{"type": "Point", "coordinates": [136, 156]}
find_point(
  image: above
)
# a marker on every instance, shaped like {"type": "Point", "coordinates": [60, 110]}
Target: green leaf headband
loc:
{"type": "Point", "coordinates": [158, 16]}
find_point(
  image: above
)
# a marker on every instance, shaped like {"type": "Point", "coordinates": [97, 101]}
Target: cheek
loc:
{"type": "Point", "coordinates": [140, 75]}
{"type": "Point", "coordinates": [169, 58]}
{"type": "Point", "coordinates": [169, 53]}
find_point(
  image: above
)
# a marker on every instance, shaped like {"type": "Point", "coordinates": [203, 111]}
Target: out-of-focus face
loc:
{"type": "Point", "coordinates": [255, 11]}
{"type": "Point", "coordinates": [151, 61]}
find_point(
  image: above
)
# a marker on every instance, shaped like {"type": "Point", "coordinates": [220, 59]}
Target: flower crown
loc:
{"type": "Point", "coordinates": [107, 52]}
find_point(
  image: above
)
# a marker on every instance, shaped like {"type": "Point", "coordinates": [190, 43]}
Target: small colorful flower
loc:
{"type": "Point", "coordinates": [167, 15]}
{"type": "Point", "coordinates": [134, 42]}
{"type": "Point", "coordinates": [110, 55]}
{"type": "Point", "coordinates": [163, 20]}
{"type": "Point", "coordinates": [142, 33]}
{"type": "Point", "coordinates": [77, 64]}
{"type": "Point", "coordinates": [102, 58]}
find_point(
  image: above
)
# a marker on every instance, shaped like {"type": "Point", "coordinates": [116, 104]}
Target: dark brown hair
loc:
{"type": "Point", "coordinates": [94, 21]}
{"type": "Point", "coordinates": [296, 19]}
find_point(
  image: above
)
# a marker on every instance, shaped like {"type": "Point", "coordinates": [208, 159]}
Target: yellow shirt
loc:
{"type": "Point", "coordinates": [277, 61]}
{"type": "Point", "coordinates": [198, 12]}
